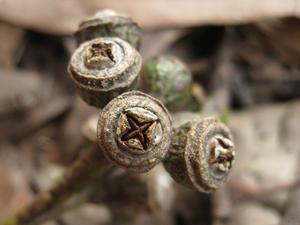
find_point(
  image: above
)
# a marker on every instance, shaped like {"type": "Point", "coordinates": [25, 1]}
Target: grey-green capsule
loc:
{"type": "Point", "coordinates": [168, 79]}
{"type": "Point", "coordinates": [103, 68]}
{"type": "Point", "coordinates": [108, 23]}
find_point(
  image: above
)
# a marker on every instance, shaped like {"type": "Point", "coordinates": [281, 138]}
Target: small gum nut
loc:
{"type": "Point", "coordinates": [103, 68]}
{"type": "Point", "coordinates": [134, 131]}
{"type": "Point", "coordinates": [201, 154]}
{"type": "Point", "coordinates": [168, 79]}
{"type": "Point", "coordinates": [109, 23]}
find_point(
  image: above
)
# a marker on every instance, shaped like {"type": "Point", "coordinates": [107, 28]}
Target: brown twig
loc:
{"type": "Point", "coordinates": [78, 176]}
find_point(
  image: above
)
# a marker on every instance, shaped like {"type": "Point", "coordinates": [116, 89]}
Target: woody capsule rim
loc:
{"type": "Point", "coordinates": [201, 172]}
{"type": "Point", "coordinates": [121, 142]}
{"type": "Point", "coordinates": [121, 73]}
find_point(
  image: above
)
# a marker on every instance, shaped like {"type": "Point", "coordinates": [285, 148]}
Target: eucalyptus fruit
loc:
{"type": "Point", "coordinates": [168, 79]}
{"type": "Point", "coordinates": [109, 23]}
{"type": "Point", "coordinates": [103, 68]}
{"type": "Point", "coordinates": [134, 131]}
{"type": "Point", "coordinates": [201, 154]}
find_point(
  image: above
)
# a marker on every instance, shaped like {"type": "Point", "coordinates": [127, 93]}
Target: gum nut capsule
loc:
{"type": "Point", "coordinates": [108, 23]}
{"type": "Point", "coordinates": [103, 68]}
{"type": "Point", "coordinates": [168, 79]}
{"type": "Point", "coordinates": [201, 154]}
{"type": "Point", "coordinates": [134, 131]}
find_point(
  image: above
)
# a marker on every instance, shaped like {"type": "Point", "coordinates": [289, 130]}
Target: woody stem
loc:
{"type": "Point", "coordinates": [78, 176]}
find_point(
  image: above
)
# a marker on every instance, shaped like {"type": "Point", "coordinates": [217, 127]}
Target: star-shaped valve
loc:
{"type": "Point", "coordinates": [222, 153]}
{"type": "Point", "coordinates": [138, 129]}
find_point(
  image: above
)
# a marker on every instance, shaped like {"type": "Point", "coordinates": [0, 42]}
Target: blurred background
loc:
{"type": "Point", "coordinates": [244, 58]}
